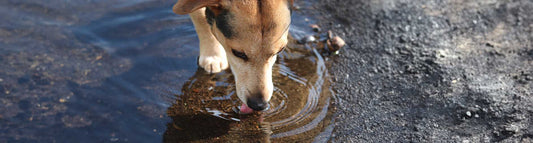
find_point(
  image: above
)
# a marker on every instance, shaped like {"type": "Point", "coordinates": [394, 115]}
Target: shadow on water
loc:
{"type": "Point", "coordinates": [126, 71]}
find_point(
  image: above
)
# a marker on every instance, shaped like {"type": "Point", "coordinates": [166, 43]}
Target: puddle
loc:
{"type": "Point", "coordinates": [126, 71]}
{"type": "Point", "coordinates": [300, 107]}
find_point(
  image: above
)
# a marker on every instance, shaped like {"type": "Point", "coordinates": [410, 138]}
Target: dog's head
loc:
{"type": "Point", "coordinates": [252, 32]}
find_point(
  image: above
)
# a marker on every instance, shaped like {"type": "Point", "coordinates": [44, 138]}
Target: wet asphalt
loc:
{"type": "Point", "coordinates": [432, 71]}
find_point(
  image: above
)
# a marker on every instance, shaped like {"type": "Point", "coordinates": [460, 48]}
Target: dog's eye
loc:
{"type": "Point", "coordinates": [239, 54]}
{"type": "Point", "coordinates": [281, 50]}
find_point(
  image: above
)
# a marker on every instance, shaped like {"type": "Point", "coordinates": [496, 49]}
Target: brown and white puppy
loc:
{"type": "Point", "coordinates": [247, 34]}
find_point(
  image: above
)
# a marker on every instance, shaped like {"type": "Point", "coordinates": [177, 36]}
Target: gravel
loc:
{"type": "Point", "coordinates": [432, 70]}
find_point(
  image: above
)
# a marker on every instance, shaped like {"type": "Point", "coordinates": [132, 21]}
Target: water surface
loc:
{"type": "Point", "coordinates": [126, 71]}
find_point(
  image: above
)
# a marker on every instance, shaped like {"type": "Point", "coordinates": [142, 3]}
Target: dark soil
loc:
{"type": "Point", "coordinates": [432, 70]}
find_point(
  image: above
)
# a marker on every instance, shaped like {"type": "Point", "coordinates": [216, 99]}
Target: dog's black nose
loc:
{"type": "Point", "coordinates": [258, 104]}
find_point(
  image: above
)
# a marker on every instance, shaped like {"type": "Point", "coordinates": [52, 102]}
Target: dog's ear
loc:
{"type": "Point", "coordinates": [188, 6]}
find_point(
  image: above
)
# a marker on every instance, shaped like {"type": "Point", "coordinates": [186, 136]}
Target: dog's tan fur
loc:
{"type": "Point", "coordinates": [260, 29]}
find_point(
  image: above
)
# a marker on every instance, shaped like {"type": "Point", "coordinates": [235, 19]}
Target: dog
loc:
{"type": "Point", "coordinates": [245, 35]}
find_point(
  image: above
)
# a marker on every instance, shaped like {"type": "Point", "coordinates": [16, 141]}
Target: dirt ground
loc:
{"type": "Point", "coordinates": [432, 70]}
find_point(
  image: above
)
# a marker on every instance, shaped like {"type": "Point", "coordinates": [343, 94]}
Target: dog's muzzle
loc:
{"type": "Point", "coordinates": [257, 104]}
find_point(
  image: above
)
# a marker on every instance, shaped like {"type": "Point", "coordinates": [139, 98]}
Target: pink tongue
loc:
{"type": "Point", "coordinates": [245, 109]}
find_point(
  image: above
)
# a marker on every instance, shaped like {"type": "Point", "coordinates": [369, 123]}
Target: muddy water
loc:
{"type": "Point", "coordinates": [126, 71]}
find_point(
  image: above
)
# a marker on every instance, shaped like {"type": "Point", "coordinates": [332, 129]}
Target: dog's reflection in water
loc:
{"type": "Point", "coordinates": [205, 112]}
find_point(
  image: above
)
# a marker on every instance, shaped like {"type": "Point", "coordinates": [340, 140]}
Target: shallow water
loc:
{"type": "Point", "coordinates": [126, 71]}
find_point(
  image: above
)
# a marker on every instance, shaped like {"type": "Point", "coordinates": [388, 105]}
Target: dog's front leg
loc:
{"type": "Point", "coordinates": [212, 54]}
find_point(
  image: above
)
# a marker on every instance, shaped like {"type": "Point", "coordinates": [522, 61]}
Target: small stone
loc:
{"type": "Point", "coordinates": [468, 114]}
{"type": "Point", "coordinates": [315, 27]}
{"type": "Point", "coordinates": [402, 39]}
{"type": "Point", "coordinates": [307, 39]}
{"type": "Point", "coordinates": [489, 45]}
{"type": "Point", "coordinates": [335, 44]}
{"type": "Point", "coordinates": [330, 34]}
{"type": "Point", "coordinates": [338, 41]}
{"type": "Point", "coordinates": [512, 128]}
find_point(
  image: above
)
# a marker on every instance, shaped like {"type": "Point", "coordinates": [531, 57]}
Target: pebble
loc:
{"type": "Point", "coordinates": [512, 128]}
{"type": "Point", "coordinates": [330, 34]}
{"type": "Point", "coordinates": [307, 39]}
{"type": "Point", "coordinates": [335, 44]}
{"type": "Point", "coordinates": [315, 27]}
{"type": "Point", "coordinates": [468, 114]}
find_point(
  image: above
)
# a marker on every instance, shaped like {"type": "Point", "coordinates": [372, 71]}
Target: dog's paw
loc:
{"type": "Point", "coordinates": [213, 64]}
